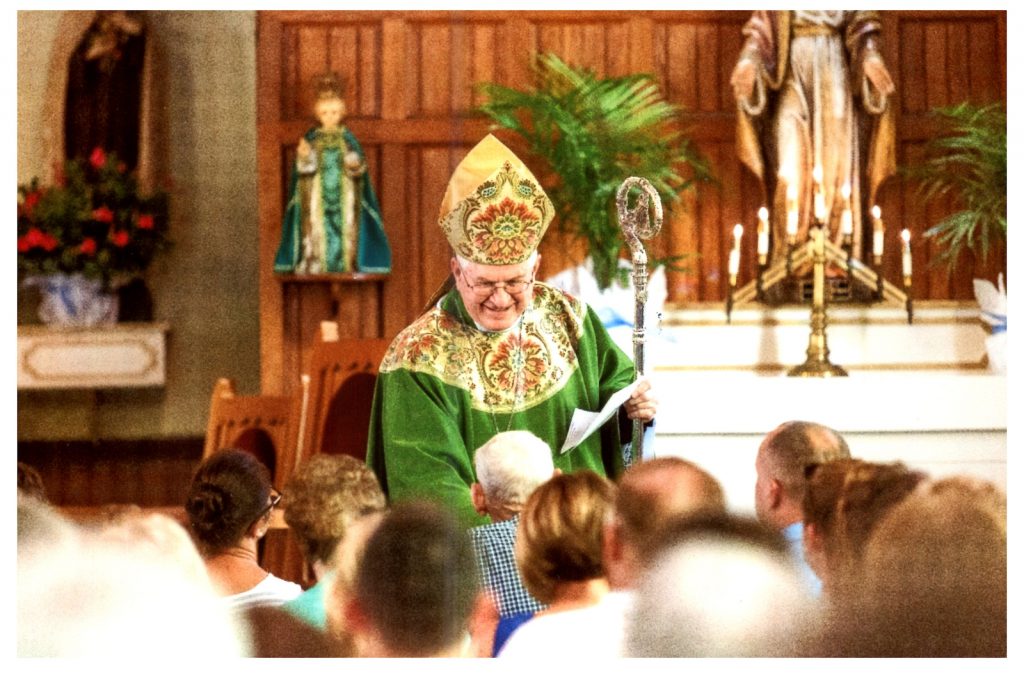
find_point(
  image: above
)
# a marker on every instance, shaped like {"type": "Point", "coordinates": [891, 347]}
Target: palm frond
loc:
{"type": "Point", "coordinates": [968, 162]}
{"type": "Point", "coordinates": [593, 133]}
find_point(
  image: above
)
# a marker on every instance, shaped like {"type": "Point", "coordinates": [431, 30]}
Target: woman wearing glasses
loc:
{"type": "Point", "coordinates": [229, 506]}
{"type": "Point", "coordinates": [499, 351]}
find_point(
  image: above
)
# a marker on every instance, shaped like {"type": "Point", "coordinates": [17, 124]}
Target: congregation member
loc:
{"type": "Point", "coordinates": [649, 494]}
{"type": "Point", "coordinates": [229, 505]}
{"type": "Point", "coordinates": [934, 581]}
{"type": "Point", "coordinates": [559, 556]}
{"type": "Point", "coordinates": [499, 351]}
{"type": "Point", "coordinates": [781, 465]}
{"type": "Point", "coordinates": [97, 594]}
{"type": "Point", "coordinates": [340, 586]}
{"type": "Point", "coordinates": [415, 588]}
{"type": "Point", "coordinates": [324, 496]}
{"type": "Point", "coordinates": [509, 467]}
{"type": "Point", "coordinates": [843, 501]}
{"type": "Point", "coordinates": [720, 586]}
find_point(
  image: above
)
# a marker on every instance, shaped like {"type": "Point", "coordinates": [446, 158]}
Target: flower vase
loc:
{"type": "Point", "coordinates": [74, 301]}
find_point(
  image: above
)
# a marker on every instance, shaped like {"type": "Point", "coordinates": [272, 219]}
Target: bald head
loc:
{"type": "Point", "coordinates": [650, 494]}
{"type": "Point", "coordinates": [781, 464]}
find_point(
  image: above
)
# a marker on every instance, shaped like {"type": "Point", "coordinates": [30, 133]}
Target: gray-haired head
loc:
{"type": "Point", "coordinates": [511, 465]}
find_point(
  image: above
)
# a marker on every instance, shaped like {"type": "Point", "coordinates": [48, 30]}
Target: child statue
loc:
{"type": "Point", "coordinates": [332, 221]}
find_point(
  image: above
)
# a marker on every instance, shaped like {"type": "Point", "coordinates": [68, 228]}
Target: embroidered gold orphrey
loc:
{"type": "Point", "coordinates": [485, 364]}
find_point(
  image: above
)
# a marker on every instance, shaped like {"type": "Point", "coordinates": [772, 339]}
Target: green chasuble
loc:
{"type": "Point", "coordinates": [445, 388]}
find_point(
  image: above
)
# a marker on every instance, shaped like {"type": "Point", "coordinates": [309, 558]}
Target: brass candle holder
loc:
{"type": "Point", "coordinates": [817, 363]}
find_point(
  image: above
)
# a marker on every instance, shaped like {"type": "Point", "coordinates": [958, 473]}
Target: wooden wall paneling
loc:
{"type": "Point", "coordinates": [913, 64]}
{"type": "Point", "coordinates": [640, 38]}
{"type": "Point", "coordinates": [522, 40]}
{"type": "Point", "coordinates": [958, 76]}
{"type": "Point", "coordinates": [311, 62]}
{"type": "Point", "coordinates": [342, 56]}
{"type": "Point", "coordinates": [551, 38]}
{"type": "Point", "coordinates": [708, 98]}
{"type": "Point", "coordinates": [370, 84]}
{"type": "Point", "coordinates": [985, 65]}
{"type": "Point", "coordinates": [435, 69]}
{"type": "Point", "coordinates": [435, 169]}
{"type": "Point", "coordinates": [937, 94]}
{"type": "Point", "coordinates": [394, 70]}
{"type": "Point", "coordinates": [483, 65]}
{"type": "Point", "coordinates": [681, 63]}
{"type": "Point", "coordinates": [1000, 91]}
{"type": "Point", "coordinates": [461, 68]}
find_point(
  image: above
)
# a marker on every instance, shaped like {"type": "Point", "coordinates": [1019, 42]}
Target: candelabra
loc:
{"type": "Point", "coordinates": [780, 283]}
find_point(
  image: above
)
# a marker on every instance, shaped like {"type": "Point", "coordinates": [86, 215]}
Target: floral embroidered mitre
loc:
{"type": "Point", "coordinates": [494, 212]}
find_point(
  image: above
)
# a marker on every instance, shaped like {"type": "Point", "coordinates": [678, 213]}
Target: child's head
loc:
{"type": "Point", "coordinates": [329, 108]}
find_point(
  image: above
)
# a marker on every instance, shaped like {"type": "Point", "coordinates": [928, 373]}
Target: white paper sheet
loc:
{"type": "Point", "coordinates": [584, 422]}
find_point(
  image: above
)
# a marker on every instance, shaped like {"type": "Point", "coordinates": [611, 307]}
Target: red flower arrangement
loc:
{"type": "Point", "coordinates": [94, 221]}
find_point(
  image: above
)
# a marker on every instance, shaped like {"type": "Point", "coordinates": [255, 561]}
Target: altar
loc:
{"type": "Point", "coordinates": [919, 393]}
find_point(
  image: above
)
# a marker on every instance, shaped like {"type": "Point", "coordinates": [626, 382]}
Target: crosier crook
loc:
{"type": "Point", "coordinates": [636, 224]}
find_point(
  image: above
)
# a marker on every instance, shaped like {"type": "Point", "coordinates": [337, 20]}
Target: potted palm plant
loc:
{"type": "Point", "coordinates": [967, 161]}
{"type": "Point", "coordinates": [593, 133]}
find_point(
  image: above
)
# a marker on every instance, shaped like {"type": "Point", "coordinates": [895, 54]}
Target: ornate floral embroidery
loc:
{"type": "Point", "coordinates": [506, 231]}
{"type": "Point", "coordinates": [486, 364]}
{"type": "Point", "coordinates": [502, 222]}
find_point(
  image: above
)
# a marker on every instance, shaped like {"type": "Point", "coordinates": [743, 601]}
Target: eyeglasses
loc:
{"type": "Point", "coordinates": [275, 498]}
{"type": "Point", "coordinates": [485, 289]}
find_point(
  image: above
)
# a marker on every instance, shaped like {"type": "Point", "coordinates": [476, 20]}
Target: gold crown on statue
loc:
{"type": "Point", "coordinates": [329, 85]}
{"type": "Point", "coordinates": [494, 211]}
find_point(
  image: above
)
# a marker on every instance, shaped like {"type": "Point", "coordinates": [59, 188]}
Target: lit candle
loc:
{"type": "Point", "coordinates": [820, 213]}
{"type": "Point", "coordinates": [846, 220]}
{"type": "Point", "coordinates": [734, 254]}
{"type": "Point", "coordinates": [879, 231]}
{"type": "Point", "coordinates": [792, 214]}
{"type": "Point", "coordinates": [762, 235]}
{"type": "Point", "coordinates": [818, 233]}
{"type": "Point", "coordinates": [907, 260]}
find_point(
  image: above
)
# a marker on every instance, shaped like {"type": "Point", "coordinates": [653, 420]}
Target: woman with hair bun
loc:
{"type": "Point", "coordinates": [229, 506]}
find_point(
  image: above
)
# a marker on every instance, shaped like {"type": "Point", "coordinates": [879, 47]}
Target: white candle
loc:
{"type": "Point", "coordinates": [879, 231]}
{"type": "Point", "coordinates": [734, 254]}
{"type": "Point", "coordinates": [846, 219]}
{"type": "Point", "coordinates": [818, 234]}
{"type": "Point", "coordinates": [907, 259]}
{"type": "Point", "coordinates": [762, 235]}
{"type": "Point", "coordinates": [820, 213]}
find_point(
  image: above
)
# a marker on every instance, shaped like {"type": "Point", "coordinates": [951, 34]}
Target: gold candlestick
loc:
{"type": "Point", "coordinates": [817, 363]}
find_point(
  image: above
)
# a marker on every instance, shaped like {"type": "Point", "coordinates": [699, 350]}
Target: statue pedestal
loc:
{"type": "Point", "coordinates": [917, 393]}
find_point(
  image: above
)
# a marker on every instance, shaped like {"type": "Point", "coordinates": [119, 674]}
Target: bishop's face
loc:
{"type": "Point", "coordinates": [495, 295]}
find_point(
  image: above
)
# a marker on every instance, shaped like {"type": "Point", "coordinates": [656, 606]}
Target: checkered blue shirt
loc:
{"type": "Point", "coordinates": [495, 546]}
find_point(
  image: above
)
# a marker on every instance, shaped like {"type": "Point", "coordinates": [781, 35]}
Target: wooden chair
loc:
{"type": "Point", "coordinates": [262, 425]}
{"type": "Point", "coordinates": [342, 377]}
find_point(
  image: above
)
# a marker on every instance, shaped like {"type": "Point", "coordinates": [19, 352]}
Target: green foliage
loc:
{"type": "Point", "coordinates": [967, 161]}
{"type": "Point", "coordinates": [594, 133]}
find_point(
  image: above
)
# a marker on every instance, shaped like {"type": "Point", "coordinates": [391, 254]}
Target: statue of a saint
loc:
{"type": "Point", "coordinates": [814, 120]}
{"type": "Point", "coordinates": [332, 221]}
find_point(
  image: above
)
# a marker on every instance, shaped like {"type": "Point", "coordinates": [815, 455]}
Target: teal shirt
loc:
{"type": "Point", "coordinates": [309, 606]}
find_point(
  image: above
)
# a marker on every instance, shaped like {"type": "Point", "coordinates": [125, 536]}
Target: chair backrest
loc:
{"type": "Point", "coordinates": [342, 377]}
{"type": "Point", "coordinates": [263, 425]}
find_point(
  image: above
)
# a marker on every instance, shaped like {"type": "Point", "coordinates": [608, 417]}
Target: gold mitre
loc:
{"type": "Point", "coordinates": [494, 211]}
